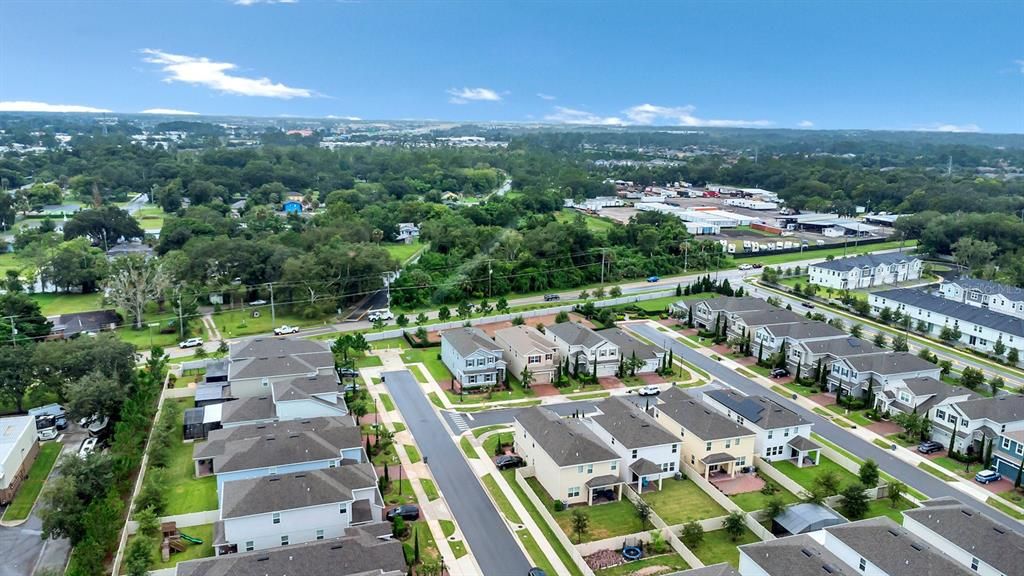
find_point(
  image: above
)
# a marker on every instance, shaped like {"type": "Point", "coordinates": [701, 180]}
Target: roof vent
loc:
{"type": "Point", "coordinates": [893, 532]}
{"type": "Point", "coordinates": [293, 435]}
{"type": "Point", "coordinates": [917, 547]}
{"type": "Point", "coordinates": [269, 438]}
{"type": "Point", "coordinates": [806, 552]}
{"type": "Point", "coordinates": [263, 558]}
{"type": "Point", "coordinates": [337, 547]}
{"type": "Point", "coordinates": [300, 475]}
{"type": "Point", "coordinates": [999, 530]}
{"type": "Point", "coordinates": [828, 568]}
{"type": "Point", "coordinates": [273, 479]}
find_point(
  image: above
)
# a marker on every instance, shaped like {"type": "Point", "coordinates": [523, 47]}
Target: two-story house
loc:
{"type": "Point", "coordinates": [649, 453]}
{"type": "Point", "coordinates": [780, 433]}
{"type": "Point", "coordinates": [1008, 454]}
{"type": "Point", "coordinates": [742, 325]}
{"type": "Point", "coordinates": [768, 339]}
{"type": "Point", "coordinates": [919, 395]}
{"type": "Point", "coordinates": [854, 375]}
{"type": "Point", "coordinates": [812, 356]}
{"type": "Point", "coordinates": [630, 347]}
{"type": "Point", "coordinates": [586, 350]}
{"type": "Point", "coordinates": [316, 396]}
{"type": "Point", "coordinates": [295, 507]}
{"type": "Point", "coordinates": [865, 271]}
{"type": "Point", "coordinates": [706, 312]}
{"type": "Point", "coordinates": [258, 363]}
{"type": "Point", "coordinates": [973, 422]}
{"type": "Point", "coordinates": [997, 297]}
{"type": "Point", "coordinates": [525, 347]}
{"type": "Point", "coordinates": [881, 547]}
{"type": "Point", "coordinates": [971, 538]}
{"type": "Point", "coordinates": [567, 457]}
{"type": "Point", "coordinates": [711, 443]}
{"type": "Point", "coordinates": [473, 359]}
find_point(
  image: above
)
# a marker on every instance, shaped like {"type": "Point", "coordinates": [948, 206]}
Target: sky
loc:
{"type": "Point", "coordinates": [822, 65]}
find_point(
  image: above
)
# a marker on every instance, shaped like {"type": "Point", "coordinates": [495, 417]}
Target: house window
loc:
{"type": "Point", "coordinates": [533, 359]}
{"type": "Point", "coordinates": [785, 433]}
{"type": "Point", "coordinates": [728, 443]}
{"type": "Point", "coordinates": [633, 455]}
{"type": "Point", "coordinates": [951, 419]}
{"type": "Point", "coordinates": [284, 540]}
{"type": "Point", "coordinates": [693, 460]}
{"type": "Point", "coordinates": [614, 466]}
{"type": "Point", "coordinates": [964, 422]}
{"type": "Point", "coordinates": [770, 434]}
{"type": "Point", "coordinates": [940, 414]}
{"type": "Point", "coordinates": [590, 468]}
{"type": "Point", "coordinates": [276, 518]}
{"type": "Point", "coordinates": [320, 534]}
{"type": "Point", "coordinates": [548, 357]}
{"type": "Point", "coordinates": [574, 492]}
{"type": "Point", "coordinates": [343, 508]}
{"type": "Point", "coordinates": [682, 432]}
{"type": "Point", "coordinates": [738, 441]}
{"type": "Point", "coordinates": [741, 461]}
{"type": "Point", "coordinates": [273, 470]}
{"type": "Point", "coordinates": [250, 545]}
{"type": "Point", "coordinates": [1006, 443]}
{"type": "Point", "coordinates": [1020, 449]}
{"type": "Point", "coordinates": [265, 382]}
{"type": "Point", "coordinates": [707, 446]}
{"type": "Point", "coordinates": [675, 448]}
{"type": "Point", "coordinates": [332, 464]}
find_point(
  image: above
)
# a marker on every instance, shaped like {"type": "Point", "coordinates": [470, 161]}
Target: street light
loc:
{"type": "Point", "coordinates": [395, 459]}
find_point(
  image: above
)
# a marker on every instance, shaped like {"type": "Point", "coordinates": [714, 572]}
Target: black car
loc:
{"type": "Point", "coordinates": [928, 446]}
{"type": "Point", "coordinates": [509, 461]}
{"type": "Point", "coordinates": [406, 511]}
{"type": "Point", "coordinates": [349, 373]}
{"type": "Point", "coordinates": [807, 305]}
{"type": "Point", "coordinates": [551, 297]}
{"type": "Point", "coordinates": [780, 373]}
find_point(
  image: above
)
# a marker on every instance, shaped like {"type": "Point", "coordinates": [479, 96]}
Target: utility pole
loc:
{"type": "Point", "coordinates": [490, 271]}
{"type": "Point", "coordinates": [686, 256]}
{"type": "Point", "coordinates": [273, 316]}
{"type": "Point", "coordinates": [602, 266]}
{"type": "Point", "coordinates": [181, 325]}
{"type": "Point", "coordinates": [14, 329]}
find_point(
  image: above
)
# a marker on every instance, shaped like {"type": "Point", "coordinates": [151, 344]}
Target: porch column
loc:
{"type": "Point", "coordinates": [732, 470]}
{"type": "Point", "coordinates": [817, 457]}
{"type": "Point", "coordinates": [590, 496]}
{"type": "Point", "coordinates": [618, 490]}
{"type": "Point", "coordinates": [660, 479]}
{"type": "Point", "coordinates": [707, 469]}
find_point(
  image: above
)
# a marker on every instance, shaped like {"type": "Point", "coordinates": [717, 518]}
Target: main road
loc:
{"type": "Point", "coordinates": [907, 473]}
{"type": "Point", "coordinates": [494, 547]}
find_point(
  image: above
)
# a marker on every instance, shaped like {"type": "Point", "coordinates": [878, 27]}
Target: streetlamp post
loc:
{"type": "Point", "coordinates": [395, 459]}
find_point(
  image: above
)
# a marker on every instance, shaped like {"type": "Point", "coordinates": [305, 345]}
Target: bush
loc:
{"type": "Point", "coordinates": [398, 527]}
{"type": "Point", "coordinates": [559, 506]}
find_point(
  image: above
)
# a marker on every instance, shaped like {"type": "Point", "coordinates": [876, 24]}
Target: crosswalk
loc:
{"type": "Point", "coordinates": [459, 421]}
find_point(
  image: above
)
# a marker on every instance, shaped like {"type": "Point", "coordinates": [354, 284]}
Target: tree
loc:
{"type": "Point", "coordinates": [67, 496]}
{"type": "Point", "coordinates": [95, 395]}
{"type": "Point", "coordinates": [134, 281]}
{"type": "Point", "coordinates": [885, 315]}
{"type": "Point", "coordinates": [899, 343]}
{"type": "Point", "coordinates": [895, 492]}
{"type": "Point", "coordinates": [999, 348]}
{"type": "Point", "coordinates": [1013, 357]}
{"type": "Point", "coordinates": [692, 535]}
{"type": "Point", "coordinates": [580, 524]}
{"type": "Point", "coordinates": [854, 501]}
{"type": "Point", "coordinates": [734, 525]}
{"type": "Point", "coordinates": [945, 367]}
{"type": "Point", "coordinates": [643, 512]}
{"type": "Point", "coordinates": [971, 378]}
{"type": "Point", "coordinates": [995, 383]}
{"type": "Point", "coordinates": [16, 376]}
{"type": "Point", "coordinates": [973, 254]}
{"type": "Point", "coordinates": [29, 323]}
{"type": "Point", "coordinates": [501, 305]}
{"type": "Point", "coordinates": [927, 355]}
{"type": "Point", "coordinates": [879, 340]}
{"type": "Point", "coordinates": [464, 310]}
{"type": "Point", "coordinates": [421, 319]}
{"type": "Point", "coordinates": [828, 481]}
{"type": "Point", "coordinates": [562, 317]}
{"type": "Point", "coordinates": [868, 473]}
{"type": "Point", "coordinates": [443, 313]}
{"type": "Point", "coordinates": [616, 292]}
{"type": "Point", "coordinates": [774, 507]}
{"type": "Point", "coordinates": [526, 377]}
{"type": "Point", "coordinates": [104, 227]}
{"type": "Point", "coordinates": [138, 557]}
{"type": "Point", "coordinates": [75, 264]}
{"type": "Point", "coordinates": [416, 546]}
{"type": "Point", "coordinates": [402, 320]}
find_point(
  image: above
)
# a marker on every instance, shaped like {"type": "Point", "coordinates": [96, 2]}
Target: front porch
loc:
{"type": "Point", "coordinates": [602, 489]}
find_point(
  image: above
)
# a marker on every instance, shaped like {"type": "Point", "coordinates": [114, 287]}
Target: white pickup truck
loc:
{"type": "Point", "coordinates": [286, 329]}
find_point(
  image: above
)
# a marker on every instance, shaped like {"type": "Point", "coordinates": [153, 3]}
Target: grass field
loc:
{"type": "Point", "coordinates": [751, 501]}
{"type": "Point", "coordinates": [11, 261]}
{"type": "Point", "coordinates": [151, 217]}
{"type": "Point", "coordinates": [412, 453]}
{"type": "Point", "coordinates": [593, 223]}
{"type": "Point", "coordinates": [606, 520]}
{"type": "Point", "coordinates": [1000, 505]}
{"type": "Point", "coordinates": [851, 250]}
{"type": "Point", "coordinates": [399, 493]}
{"type": "Point", "coordinates": [25, 498]}
{"type": "Point", "coordinates": [680, 501]}
{"type": "Point", "coordinates": [368, 361]}
{"type": "Point", "coordinates": [805, 476]}
{"type": "Point", "coordinates": [718, 547]}
{"type": "Point", "coordinates": [239, 322]}
{"type": "Point", "coordinates": [546, 529]}
{"type": "Point", "coordinates": [402, 252]}
{"type": "Point", "coordinates": [54, 304]}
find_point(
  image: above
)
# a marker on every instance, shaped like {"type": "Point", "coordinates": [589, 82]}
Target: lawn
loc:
{"type": "Point", "coordinates": [447, 528]}
{"type": "Point", "coordinates": [934, 471]}
{"type": "Point", "coordinates": [151, 217]}
{"type": "Point", "coordinates": [389, 344]}
{"type": "Point", "coordinates": [417, 373]}
{"type": "Point", "coordinates": [606, 520]}
{"type": "Point", "coordinates": [720, 547]}
{"type": "Point", "coordinates": [193, 552]}
{"type": "Point", "coordinates": [428, 548]}
{"type": "Point", "coordinates": [855, 416]}
{"type": "Point", "coordinates": [399, 494]}
{"type": "Point", "coordinates": [436, 400]}
{"type": "Point", "coordinates": [680, 501]}
{"type": "Point", "coordinates": [430, 358]}
{"type": "Point", "coordinates": [387, 402]}
{"type": "Point", "coordinates": [545, 528]}
{"type": "Point", "coordinates": [491, 444]}
{"type": "Point", "coordinates": [805, 476]}
{"type": "Point", "coordinates": [412, 453]}
{"type": "Point", "coordinates": [478, 432]}
{"type": "Point", "coordinates": [648, 566]}
{"type": "Point", "coordinates": [368, 361]}
{"type": "Point", "coordinates": [751, 501]}
{"type": "Point", "coordinates": [239, 322]}
{"type": "Point", "coordinates": [55, 304]}
{"type": "Point", "coordinates": [501, 500]}
{"type": "Point", "coordinates": [515, 392]}
{"type": "Point", "coordinates": [468, 448]}
{"type": "Point", "coordinates": [537, 557]}
{"type": "Point", "coordinates": [11, 261]}
{"type": "Point", "coordinates": [429, 488]}
{"type": "Point", "coordinates": [398, 426]}
{"type": "Point", "coordinates": [1000, 505]}
{"type": "Point", "coordinates": [402, 252]}
{"type": "Point", "coordinates": [593, 223]}
{"type": "Point", "coordinates": [25, 498]}
{"type": "Point", "coordinates": [185, 492]}
{"type": "Point", "coordinates": [884, 508]}
{"type": "Point", "coordinates": [385, 456]}
{"type": "Point", "coordinates": [959, 468]}
{"type": "Point", "coordinates": [146, 338]}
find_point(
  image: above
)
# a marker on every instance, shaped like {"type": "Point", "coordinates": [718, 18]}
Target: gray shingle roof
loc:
{"type": "Point", "coordinates": [567, 441]}
{"type": "Point", "coordinates": [763, 411]}
{"type": "Point", "coordinates": [247, 410]}
{"type": "Point", "coordinates": [631, 426]}
{"type": "Point", "coordinates": [467, 340]}
{"type": "Point", "coordinates": [774, 316]}
{"type": "Point", "coordinates": [697, 418]}
{"type": "Point", "coordinates": [1002, 409]}
{"type": "Point", "coordinates": [722, 569]}
{"type": "Point", "coordinates": [305, 386]}
{"type": "Point", "coordinates": [988, 287]}
{"type": "Point", "coordinates": [733, 304]}
{"type": "Point", "coordinates": [628, 345]}
{"type": "Point", "coordinates": [805, 330]}
{"type": "Point", "coordinates": [576, 334]}
{"type": "Point", "coordinates": [276, 346]}
{"type": "Point", "coordinates": [974, 532]}
{"type": "Point", "coordinates": [644, 467]}
{"type": "Point", "coordinates": [525, 338]}
{"type": "Point", "coordinates": [869, 260]}
{"type": "Point", "coordinates": [295, 490]}
{"type": "Point", "coordinates": [276, 444]}
{"type": "Point", "coordinates": [797, 555]}
{"type": "Point", "coordinates": [78, 322]}
{"type": "Point", "coordinates": [842, 347]}
{"type": "Point", "coordinates": [957, 310]}
{"type": "Point", "coordinates": [894, 549]}
{"type": "Point", "coordinates": [282, 365]}
{"type": "Point", "coordinates": [936, 390]}
{"type": "Point", "coordinates": [890, 363]}
{"type": "Point", "coordinates": [360, 552]}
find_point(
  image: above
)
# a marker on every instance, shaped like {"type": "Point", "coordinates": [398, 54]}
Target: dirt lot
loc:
{"type": "Point", "coordinates": [619, 214]}
{"type": "Point", "coordinates": [546, 320]}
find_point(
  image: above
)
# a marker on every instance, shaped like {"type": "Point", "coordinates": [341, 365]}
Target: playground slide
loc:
{"type": "Point", "coordinates": [190, 539]}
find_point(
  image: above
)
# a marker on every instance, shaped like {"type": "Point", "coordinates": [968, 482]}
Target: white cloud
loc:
{"type": "Point", "coordinates": [169, 112]}
{"type": "Point", "coordinates": [350, 118]}
{"type": "Point", "coordinates": [565, 115]}
{"type": "Point", "coordinates": [30, 106]}
{"type": "Point", "coordinates": [683, 116]}
{"type": "Point", "coordinates": [205, 72]}
{"type": "Point", "coordinates": [1021, 64]}
{"type": "Point", "coordinates": [466, 95]}
{"type": "Point", "coordinates": [544, 96]}
{"type": "Point", "coordinates": [805, 124]}
{"type": "Point", "coordinates": [941, 127]}
{"type": "Point", "coordinates": [254, 2]}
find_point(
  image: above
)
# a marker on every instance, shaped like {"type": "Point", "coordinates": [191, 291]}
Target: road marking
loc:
{"type": "Point", "coordinates": [460, 422]}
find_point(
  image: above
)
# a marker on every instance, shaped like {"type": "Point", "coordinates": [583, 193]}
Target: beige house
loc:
{"type": "Point", "coordinates": [711, 443]}
{"type": "Point", "coordinates": [525, 347]}
{"type": "Point", "coordinates": [568, 459]}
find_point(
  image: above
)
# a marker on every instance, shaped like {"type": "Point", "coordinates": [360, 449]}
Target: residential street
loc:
{"type": "Point", "coordinates": [492, 544]}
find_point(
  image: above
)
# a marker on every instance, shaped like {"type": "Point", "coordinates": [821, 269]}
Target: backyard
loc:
{"type": "Point", "coordinates": [648, 566]}
{"type": "Point", "coordinates": [757, 500]}
{"type": "Point", "coordinates": [203, 532]}
{"type": "Point", "coordinates": [606, 520]}
{"type": "Point", "coordinates": [680, 501]}
{"type": "Point", "coordinates": [806, 476]}
{"type": "Point", "coordinates": [57, 303]}
{"type": "Point", "coordinates": [719, 547]}
{"type": "Point", "coordinates": [185, 492]}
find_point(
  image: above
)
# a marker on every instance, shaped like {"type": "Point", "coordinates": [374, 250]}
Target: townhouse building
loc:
{"type": "Point", "coordinates": [1001, 298]}
{"type": "Point", "coordinates": [970, 538]}
{"type": "Point", "coordinates": [920, 395]}
{"type": "Point", "coordinates": [768, 339]}
{"type": "Point", "coordinates": [707, 311]}
{"type": "Point", "coordinates": [813, 355]}
{"type": "Point", "coordinates": [630, 347]}
{"type": "Point", "coordinates": [865, 271]}
{"type": "Point", "coordinates": [741, 325]}
{"type": "Point", "coordinates": [977, 421]}
{"type": "Point", "coordinates": [258, 363]}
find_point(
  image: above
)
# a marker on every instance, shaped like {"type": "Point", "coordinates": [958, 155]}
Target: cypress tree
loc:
{"type": "Point", "coordinates": [632, 364]}
{"type": "Point", "coordinates": [689, 315]}
{"type": "Point", "coordinates": [416, 548]}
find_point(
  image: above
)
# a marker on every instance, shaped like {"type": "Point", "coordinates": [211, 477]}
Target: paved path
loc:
{"type": "Point", "coordinates": [494, 546]}
{"type": "Point", "coordinates": [901, 470]}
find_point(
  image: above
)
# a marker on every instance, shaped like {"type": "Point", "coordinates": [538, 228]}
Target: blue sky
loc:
{"type": "Point", "coordinates": [893, 65]}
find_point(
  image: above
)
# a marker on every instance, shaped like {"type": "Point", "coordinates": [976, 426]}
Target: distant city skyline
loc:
{"type": "Point", "coordinates": [880, 66]}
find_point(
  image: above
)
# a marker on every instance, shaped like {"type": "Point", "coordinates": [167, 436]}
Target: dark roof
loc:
{"type": "Point", "coordinates": [217, 368]}
{"type": "Point", "coordinates": [988, 287]}
{"type": "Point", "coordinates": [644, 467]}
{"type": "Point", "coordinates": [722, 569]}
{"type": "Point", "coordinates": [763, 411]}
{"type": "Point", "coordinates": [603, 481]}
{"type": "Point", "coordinates": [294, 490]}
{"type": "Point", "coordinates": [78, 322]}
{"type": "Point", "coordinates": [734, 304]}
{"type": "Point", "coordinates": [1002, 409]}
{"type": "Point", "coordinates": [697, 418]}
{"type": "Point", "coordinates": [467, 340]}
{"type": "Point", "coordinates": [566, 440]}
{"type": "Point", "coordinates": [842, 347]}
{"type": "Point", "coordinates": [360, 552]}
{"type": "Point", "coordinates": [306, 386]}
{"type": "Point", "coordinates": [894, 549]}
{"type": "Point", "coordinates": [774, 316]}
{"type": "Point", "coordinates": [807, 517]}
{"type": "Point", "coordinates": [282, 365]}
{"type": "Point", "coordinates": [276, 346]}
{"type": "Point", "coordinates": [868, 260]}
{"type": "Point", "coordinates": [576, 334]}
{"type": "Point", "coordinates": [936, 390]}
{"type": "Point", "coordinates": [957, 310]}
{"type": "Point", "coordinates": [890, 363]}
{"type": "Point", "coordinates": [276, 444]}
{"type": "Point", "coordinates": [798, 555]}
{"type": "Point", "coordinates": [631, 426]}
{"type": "Point", "coordinates": [718, 458]}
{"type": "Point", "coordinates": [995, 544]}
{"type": "Point", "coordinates": [248, 410]}
{"type": "Point", "coordinates": [803, 443]}
{"type": "Point", "coordinates": [628, 345]}
{"type": "Point", "coordinates": [805, 330]}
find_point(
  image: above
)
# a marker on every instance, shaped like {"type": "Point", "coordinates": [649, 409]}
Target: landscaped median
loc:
{"type": "Point", "coordinates": [542, 524]}
{"type": "Point", "coordinates": [25, 499]}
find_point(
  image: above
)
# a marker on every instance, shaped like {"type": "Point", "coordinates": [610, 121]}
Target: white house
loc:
{"type": "Point", "coordinates": [648, 452]}
{"type": "Point", "coordinates": [473, 359]}
{"type": "Point", "coordinates": [586, 350]}
{"type": "Point", "coordinates": [408, 232]}
{"type": "Point", "coordinates": [706, 312]}
{"type": "Point", "coordinates": [768, 339]}
{"type": "Point", "coordinates": [977, 420]}
{"type": "Point", "coordinates": [969, 537]}
{"type": "Point", "coordinates": [865, 271]}
{"type": "Point", "coordinates": [18, 449]}
{"type": "Point", "coordinates": [919, 395]}
{"type": "Point", "coordinates": [810, 355]}
{"type": "Point", "coordinates": [781, 434]}
{"type": "Point", "coordinates": [996, 297]}
{"type": "Point", "coordinates": [282, 509]}
{"type": "Point", "coordinates": [856, 374]}
{"type": "Point", "coordinates": [741, 325]}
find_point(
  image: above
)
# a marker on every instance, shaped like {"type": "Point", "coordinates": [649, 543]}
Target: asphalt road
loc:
{"type": "Point", "coordinates": [494, 546]}
{"type": "Point", "coordinates": [911, 475]}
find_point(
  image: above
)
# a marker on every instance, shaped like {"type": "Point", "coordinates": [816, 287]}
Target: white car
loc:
{"type": "Point", "coordinates": [191, 343]}
{"type": "Point", "coordinates": [88, 447]}
{"type": "Point", "coordinates": [286, 329]}
{"type": "Point", "coordinates": [649, 390]}
{"type": "Point", "coordinates": [258, 303]}
{"type": "Point", "coordinates": [380, 315]}
{"type": "Point", "coordinates": [745, 267]}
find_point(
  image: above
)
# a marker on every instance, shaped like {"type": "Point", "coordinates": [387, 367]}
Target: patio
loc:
{"type": "Point", "coordinates": [740, 484]}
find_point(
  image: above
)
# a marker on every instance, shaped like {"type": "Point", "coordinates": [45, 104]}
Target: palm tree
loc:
{"type": "Point", "coordinates": [526, 377]}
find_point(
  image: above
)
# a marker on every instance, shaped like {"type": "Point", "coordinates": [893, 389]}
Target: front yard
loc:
{"type": "Point", "coordinates": [429, 357]}
{"type": "Point", "coordinates": [680, 501]}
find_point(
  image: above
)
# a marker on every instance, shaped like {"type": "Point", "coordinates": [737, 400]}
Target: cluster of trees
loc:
{"type": "Point", "coordinates": [989, 244]}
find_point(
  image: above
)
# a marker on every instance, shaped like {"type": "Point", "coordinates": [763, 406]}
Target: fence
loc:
{"type": "Point", "coordinates": [810, 249]}
{"type": "Point", "coordinates": [555, 528]}
{"type": "Point", "coordinates": [725, 502]}
{"type": "Point", "coordinates": [183, 520]}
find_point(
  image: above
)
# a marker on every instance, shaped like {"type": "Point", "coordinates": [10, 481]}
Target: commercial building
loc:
{"type": "Point", "coordinates": [18, 449]}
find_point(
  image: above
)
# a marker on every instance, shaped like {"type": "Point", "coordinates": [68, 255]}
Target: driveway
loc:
{"type": "Point", "coordinates": [494, 547]}
{"type": "Point", "coordinates": [907, 473]}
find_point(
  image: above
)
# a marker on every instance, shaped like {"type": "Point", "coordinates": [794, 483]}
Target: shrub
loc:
{"type": "Point", "coordinates": [559, 506]}
{"type": "Point", "coordinates": [692, 535]}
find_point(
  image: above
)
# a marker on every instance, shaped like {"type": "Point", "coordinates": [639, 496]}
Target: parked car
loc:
{"type": "Point", "coordinates": [348, 373]}
{"type": "Point", "coordinates": [190, 343]}
{"type": "Point", "coordinates": [352, 387]}
{"type": "Point", "coordinates": [536, 572]}
{"type": "Point", "coordinates": [649, 390]}
{"type": "Point", "coordinates": [757, 265]}
{"type": "Point", "coordinates": [746, 267]}
{"type": "Point", "coordinates": [375, 315]}
{"type": "Point", "coordinates": [258, 303]}
{"type": "Point", "coordinates": [653, 278]}
{"type": "Point", "coordinates": [551, 297]}
{"type": "Point", "coordinates": [509, 461]}
{"type": "Point", "coordinates": [88, 447]}
{"type": "Point", "coordinates": [406, 511]}
{"type": "Point", "coordinates": [807, 305]}
{"type": "Point", "coordinates": [286, 329]}
{"type": "Point", "coordinates": [987, 476]}
{"type": "Point", "coordinates": [780, 373]}
{"type": "Point", "coordinates": [928, 447]}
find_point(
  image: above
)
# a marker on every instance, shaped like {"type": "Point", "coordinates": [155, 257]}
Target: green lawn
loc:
{"type": "Point", "coordinates": [491, 444]}
{"type": "Point", "coordinates": [417, 373]}
{"type": "Point", "coordinates": [150, 217]}
{"type": "Point", "coordinates": [387, 402]}
{"type": "Point", "coordinates": [1000, 505]}
{"type": "Point", "coordinates": [935, 471]}
{"type": "Point", "coordinates": [537, 557]}
{"type": "Point", "coordinates": [11, 261]}
{"type": "Point", "coordinates": [430, 358]}
{"type": "Point", "coordinates": [458, 548]}
{"type": "Point", "coordinates": [30, 400]}
{"type": "Point", "coordinates": [389, 344]}
{"type": "Point", "coordinates": [146, 338]}
{"type": "Point", "coordinates": [594, 224]}
{"type": "Point", "coordinates": [478, 432]}
{"type": "Point", "coordinates": [501, 500]}
{"type": "Point", "coordinates": [805, 476]}
{"type": "Point", "coordinates": [606, 520]}
{"type": "Point", "coordinates": [239, 322]}
{"type": "Point", "coordinates": [959, 468]}
{"type": "Point", "coordinates": [53, 304]}
{"type": "Point", "coordinates": [385, 456]}
{"type": "Point", "coordinates": [718, 547]}
{"type": "Point", "coordinates": [680, 501]}
{"type": "Point", "coordinates": [649, 565]}
{"type": "Point", "coordinates": [398, 426]}
{"type": "Point", "coordinates": [447, 527]}
{"type": "Point", "coordinates": [429, 488]}
{"type": "Point", "coordinates": [402, 252]}
{"type": "Point", "coordinates": [25, 498]}
{"type": "Point", "coordinates": [467, 447]}
{"type": "Point", "coordinates": [412, 453]}
{"type": "Point", "coordinates": [545, 528]}
{"type": "Point", "coordinates": [393, 498]}
{"type": "Point", "coordinates": [436, 400]}
{"type": "Point", "coordinates": [193, 551]}
{"type": "Point", "coordinates": [855, 416]}
{"type": "Point", "coordinates": [185, 492]}
{"type": "Point", "coordinates": [850, 250]}
{"type": "Point", "coordinates": [751, 501]}
{"type": "Point", "coordinates": [884, 508]}
{"type": "Point", "coordinates": [368, 361]}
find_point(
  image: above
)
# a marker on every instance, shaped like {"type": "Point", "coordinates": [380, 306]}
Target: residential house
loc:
{"type": "Point", "coordinates": [980, 327]}
{"type": "Point", "coordinates": [768, 339]}
{"type": "Point", "coordinates": [711, 443]}
{"type": "Point", "coordinates": [741, 325]}
{"type": "Point", "coordinates": [89, 323]}
{"type": "Point", "coordinates": [707, 311]}
{"type": "Point", "coordinates": [1001, 298]}
{"type": "Point", "coordinates": [632, 347]}
{"type": "Point", "coordinates": [780, 433]}
{"type": "Point", "coordinates": [473, 359]}
{"type": "Point", "coordinates": [568, 459]}
{"type": "Point", "coordinates": [296, 507]}
{"type": "Point", "coordinates": [586, 350]}
{"type": "Point", "coordinates": [878, 372]}
{"type": "Point", "coordinates": [366, 550]}
{"type": "Point", "coordinates": [813, 355]}
{"type": "Point", "coordinates": [648, 452]}
{"type": "Point", "coordinates": [258, 363]}
{"type": "Point", "coordinates": [967, 536]}
{"type": "Point", "coordinates": [18, 449]}
{"type": "Point", "coordinates": [317, 396]}
{"type": "Point", "coordinates": [254, 450]}
{"type": "Point", "coordinates": [977, 421]}
{"type": "Point", "coordinates": [1007, 454]}
{"type": "Point", "coordinates": [407, 232]}
{"type": "Point", "coordinates": [919, 395]}
{"type": "Point", "coordinates": [865, 271]}
{"type": "Point", "coordinates": [525, 347]}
